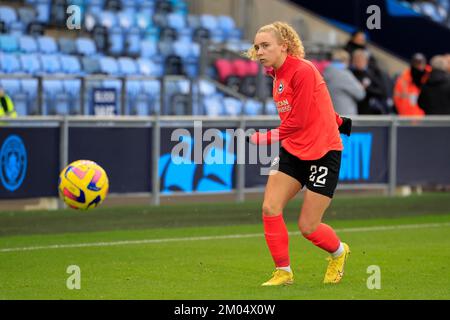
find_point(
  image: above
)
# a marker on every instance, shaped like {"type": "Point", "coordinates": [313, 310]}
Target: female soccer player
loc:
{"type": "Point", "coordinates": [310, 152]}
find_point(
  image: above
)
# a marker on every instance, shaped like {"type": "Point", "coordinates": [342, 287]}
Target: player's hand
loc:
{"type": "Point", "coordinates": [346, 126]}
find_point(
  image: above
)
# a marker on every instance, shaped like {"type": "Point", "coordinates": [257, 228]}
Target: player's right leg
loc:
{"type": "Point", "coordinates": [280, 189]}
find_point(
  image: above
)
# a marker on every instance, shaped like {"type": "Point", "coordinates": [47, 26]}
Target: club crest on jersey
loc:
{"type": "Point", "coordinates": [280, 87]}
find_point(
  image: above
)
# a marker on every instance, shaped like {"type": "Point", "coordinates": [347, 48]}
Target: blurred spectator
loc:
{"type": "Point", "coordinates": [408, 85]}
{"type": "Point", "coordinates": [344, 88]}
{"type": "Point", "coordinates": [435, 95]}
{"type": "Point", "coordinates": [6, 105]}
{"type": "Point", "coordinates": [376, 95]}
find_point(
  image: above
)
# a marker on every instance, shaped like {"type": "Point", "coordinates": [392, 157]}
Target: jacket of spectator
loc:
{"type": "Point", "coordinates": [407, 87]}
{"type": "Point", "coordinates": [435, 95]}
{"type": "Point", "coordinates": [344, 88]}
{"type": "Point", "coordinates": [6, 106]}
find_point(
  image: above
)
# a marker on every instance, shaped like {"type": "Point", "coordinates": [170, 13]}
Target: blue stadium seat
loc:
{"type": "Point", "coordinates": [176, 21]}
{"type": "Point", "coordinates": [271, 108]}
{"type": "Point", "coordinates": [9, 63]}
{"type": "Point", "coordinates": [206, 88]}
{"type": "Point", "coordinates": [137, 102]}
{"type": "Point", "coordinates": [11, 86]}
{"type": "Point", "coordinates": [148, 68]}
{"type": "Point", "coordinates": [26, 15]}
{"type": "Point", "coordinates": [232, 106]}
{"type": "Point", "coordinates": [126, 19]}
{"type": "Point", "coordinates": [70, 64]}
{"type": "Point", "coordinates": [30, 63]}
{"type": "Point", "coordinates": [43, 10]}
{"type": "Point", "coordinates": [109, 65]}
{"type": "Point", "coordinates": [213, 105]}
{"type": "Point", "coordinates": [116, 41]}
{"type": "Point", "coordinates": [127, 66]}
{"type": "Point", "coordinates": [95, 6]}
{"type": "Point", "coordinates": [226, 23]}
{"type": "Point", "coordinates": [50, 63]}
{"type": "Point", "coordinates": [210, 22]}
{"type": "Point", "coordinates": [108, 19]}
{"type": "Point", "coordinates": [90, 65]}
{"type": "Point", "coordinates": [85, 46]}
{"type": "Point", "coordinates": [17, 28]}
{"type": "Point", "coordinates": [8, 15]}
{"type": "Point", "coordinates": [190, 53]}
{"type": "Point", "coordinates": [149, 49]}
{"type": "Point", "coordinates": [55, 100]}
{"type": "Point", "coordinates": [133, 42]}
{"type": "Point", "coordinates": [27, 44]}
{"type": "Point", "coordinates": [143, 21]}
{"type": "Point", "coordinates": [72, 88]}
{"type": "Point", "coordinates": [8, 43]}
{"type": "Point", "coordinates": [67, 46]}
{"type": "Point", "coordinates": [152, 89]}
{"type": "Point", "coordinates": [30, 88]}
{"type": "Point", "coordinates": [166, 47]}
{"type": "Point", "coordinates": [152, 33]}
{"type": "Point", "coordinates": [47, 44]}
{"type": "Point", "coordinates": [147, 7]}
{"type": "Point", "coordinates": [253, 107]}
{"type": "Point", "coordinates": [117, 86]}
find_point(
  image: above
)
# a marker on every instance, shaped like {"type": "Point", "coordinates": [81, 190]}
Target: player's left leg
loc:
{"type": "Point", "coordinates": [322, 235]}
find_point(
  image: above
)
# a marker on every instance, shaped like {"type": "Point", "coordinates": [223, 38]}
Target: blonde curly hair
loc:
{"type": "Point", "coordinates": [285, 34]}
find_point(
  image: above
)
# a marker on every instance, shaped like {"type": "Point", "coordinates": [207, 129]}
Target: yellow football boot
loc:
{"type": "Point", "coordinates": [335, 270]}
{"type": "Point", "coordinates": [280, 277]}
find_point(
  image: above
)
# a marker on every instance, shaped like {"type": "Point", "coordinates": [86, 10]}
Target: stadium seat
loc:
{"type": "Point", "coordinates": [213, 106]}
{"type": "Point", "coordinates": [8, 15]}
{"type": "Point", "coordinates": [50, 63]}
{"type": "Point", "coordinates": [70, 64]}
{"type": "Point", "coordinates": [43, 10]}
{"type": "Point", "coordinates": [9, 63]}
{"type": "Point", "coordinates": [47, 44]}
{"type": "Point", "coordinates": [152, 89]}
{"type": "Point", "coordinates": [30, 88]}
{"type": "Point", "coordinates": [168, 34]}
{"type": "Point", "coordinates": [55, 100]}
{"type": "Point", "coordinates": [85, 46]}
{"type": "Point", "coordinates": [27, 44]}
{"type": "Point", "coordinates": [210, 22]}
{"type": "Point", "coordinates": [108, 19]}
{"type": "Point", "coordinates": [11, 86]}
{"type": "Point", "coordinates": [17, 28]}
{"type": "Point", "coordinates": [163, 6]}
{"type": "Point", "coordinates": [232, 106]}
{"type": "Point", "coordinates": [30, 63]}
{"type": "Point", "coordinates": [176, 21]}
{"type": "Point", "coordinates": [133, 42]}
{"type": "Point", "coordinates": [149, 49]}
{"type": "Point", "coordinates": [26, 15]}
{"type": "Point", "coordinates": [8, 43]}
{"type": "Point", "coordinates": [180, 104]}
{"type": "Point", "coordinates": [72, 88]}
{"type": "Point", "coordinates": [67, 46]}
{"type": "Point", "coordinates": [127, 66]}
{"type": "Point", "coordinates": [231, 32]}
{"type": "Point", "coordinates": [126, 19]}
{"type": "Point", "coordinates": [253, 107]}
{"type": "Point", "coordinates": [100, 37]}
{"type": "Point", "coordinates": [109, 65]}
{"type": "Point", "coordinates": [90, 65]}
{"type": "Point", "coordinates": [116, 43]}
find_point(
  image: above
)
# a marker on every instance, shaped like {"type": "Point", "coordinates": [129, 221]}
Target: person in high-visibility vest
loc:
{"type": "Point", "coordinates": [6, 105]}
{"type": "Point", "coordinates": [408, 85]}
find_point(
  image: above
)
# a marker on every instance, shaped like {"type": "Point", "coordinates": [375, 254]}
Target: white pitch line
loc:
{"type": "Point", "coordinates": [231, 236]}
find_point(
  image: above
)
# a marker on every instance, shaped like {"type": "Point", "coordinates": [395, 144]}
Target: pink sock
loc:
{"type": "Point", "coordinates": [277, 239]}
{"type": "Point", "coordinates": [324, 237]}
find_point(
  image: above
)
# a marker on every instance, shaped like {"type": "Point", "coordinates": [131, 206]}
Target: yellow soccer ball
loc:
{"type": "Point", "coordinates": [83, 185]}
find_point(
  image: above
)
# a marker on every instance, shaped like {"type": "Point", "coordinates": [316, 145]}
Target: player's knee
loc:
{"type": "Point", "coordinates": [306, 228]}
{"type": "Point", "coordinates": [268, 209]}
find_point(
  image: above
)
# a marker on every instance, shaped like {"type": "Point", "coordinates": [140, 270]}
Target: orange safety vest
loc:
{"type": "Point", "coordinates": [406, 94]}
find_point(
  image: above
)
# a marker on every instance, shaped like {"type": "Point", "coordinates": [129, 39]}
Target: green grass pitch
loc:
{"type": "Point", "coordinates": [217, 251]}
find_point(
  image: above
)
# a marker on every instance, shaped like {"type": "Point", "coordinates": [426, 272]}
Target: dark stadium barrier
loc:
{"type": "Point", "coordinates": [157, 155]}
